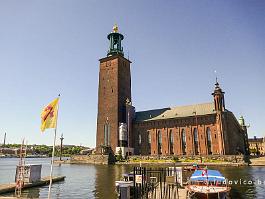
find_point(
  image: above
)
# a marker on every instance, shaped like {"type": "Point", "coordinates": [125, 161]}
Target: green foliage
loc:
{"type": "Point", "coordinates": [254, 150]}
{"type": "Point", "coordinates": [47, 150]}
{"type": "Point", "coordinates": [42, 150]}
{"type": "Point", "coordinates": [175, 159]}
{"type": "Point", "coordinates": [71, 150]}
{"type": "Point", "coordinates": [12, 145]}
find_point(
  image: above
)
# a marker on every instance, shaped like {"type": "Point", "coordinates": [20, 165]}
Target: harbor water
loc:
{"type": "Point", "coordinates": [98, 181]}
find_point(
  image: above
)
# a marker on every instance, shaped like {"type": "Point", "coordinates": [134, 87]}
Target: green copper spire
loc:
{"type": "Point", "coordinates": [241, 121]}
{"type": "Point", "coordinates": [115, 39]}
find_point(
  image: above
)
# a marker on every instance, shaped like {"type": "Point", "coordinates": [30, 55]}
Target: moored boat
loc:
{"type": "Point", "coordinates": [194, 167]}
{"type": "Point", "coordinates": [208, 184]}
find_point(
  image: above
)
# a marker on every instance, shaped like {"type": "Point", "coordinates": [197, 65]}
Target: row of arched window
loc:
{"type": "Point", "coordinates": [183, 140]}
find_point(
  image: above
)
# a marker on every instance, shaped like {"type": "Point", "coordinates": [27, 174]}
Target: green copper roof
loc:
{"type": "Point", "coordinates": [115, 39]}
{"type": "Point", "coordinates": [241, 121]}
{"type": "Point", "coordinates": [175, 112]}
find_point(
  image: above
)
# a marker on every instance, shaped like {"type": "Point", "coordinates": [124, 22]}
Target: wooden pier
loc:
{"type": "Point", "coordinates": [168, 191]}
{"type": "Point", "coordinates": [6, 188]}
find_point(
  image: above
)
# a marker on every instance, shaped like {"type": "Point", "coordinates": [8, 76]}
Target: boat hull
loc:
{"type": "Point", "coordinates": [221, 195]}
{"type": "Point", "coordinates": [208, 192]}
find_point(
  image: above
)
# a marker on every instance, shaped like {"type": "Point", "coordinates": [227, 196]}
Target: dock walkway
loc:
{"type": "Point", "coordinates": [10, 187]}
{"type": "Point", "coordinates": [168, 191]}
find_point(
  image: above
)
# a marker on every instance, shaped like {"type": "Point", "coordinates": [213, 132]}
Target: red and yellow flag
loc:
{"type": "Point", "coordinates": [49, 115]}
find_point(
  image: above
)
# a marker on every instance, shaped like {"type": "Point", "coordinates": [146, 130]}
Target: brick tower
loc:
{"type": "Point", "coordinates": [114, 91]}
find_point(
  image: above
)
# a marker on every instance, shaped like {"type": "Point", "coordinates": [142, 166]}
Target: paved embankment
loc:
{"type": "Point", "coordinates": [146, 163]}
{"type": "Point", "coordinates": [258, 161]}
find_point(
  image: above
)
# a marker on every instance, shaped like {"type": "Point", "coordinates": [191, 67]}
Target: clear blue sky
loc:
{"type": "Point", "coordinates": [49, 47]}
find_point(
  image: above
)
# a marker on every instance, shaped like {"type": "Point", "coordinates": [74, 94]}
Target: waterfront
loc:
{"type": "Point", "coordinates": [97, 181]}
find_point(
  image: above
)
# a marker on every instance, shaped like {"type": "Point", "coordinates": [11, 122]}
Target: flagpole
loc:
{"type": "Point", "coordinates": [53, 149]}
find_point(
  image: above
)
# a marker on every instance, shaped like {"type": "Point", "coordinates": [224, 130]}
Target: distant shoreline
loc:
{"type": "Point", "coordinates": [40, 156]}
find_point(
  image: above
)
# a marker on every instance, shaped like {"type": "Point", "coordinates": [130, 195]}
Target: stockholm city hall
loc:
{"type": "Point", "coordinates": [198, 129]}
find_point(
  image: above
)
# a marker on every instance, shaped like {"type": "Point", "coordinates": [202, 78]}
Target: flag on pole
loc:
{"type": "Point", "coordinates": [49, 115]}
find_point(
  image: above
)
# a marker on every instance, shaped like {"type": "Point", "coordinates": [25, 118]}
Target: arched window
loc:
{"type": "Point", "coordinates": [171, 141]}
{"type": "Point", "coordinates": [149, 137]}
{"type": "Point", "coordinates": [183, 135]}
{"type": "Point", "coordinates": [171, 137]}
{"type": "Point", "coordinates": [149, 141]}
{"type": "Point", "coordinates": [196, 142]}
{"type": "Point", "coordinates": [140, 139]}
{"type": "Point", "coordinates": [159, 136]}
{"type": "Point", "coordinates": [183, 138]}
{"type": "Point", "coordinates": [209, 140]}
{"type": "Point", "coordinates": [195, 135]}
{"type": "Point", "coordinates": [106, 134]}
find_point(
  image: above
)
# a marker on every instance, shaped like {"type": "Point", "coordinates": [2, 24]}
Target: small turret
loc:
{"type": "Point", "coordinates": [244, 127]}
{"type": "Point", "coordinates": [218, 95]}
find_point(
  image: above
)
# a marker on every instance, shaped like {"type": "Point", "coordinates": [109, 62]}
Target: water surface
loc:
{"type": "Point", "coordinates": [98, 181]}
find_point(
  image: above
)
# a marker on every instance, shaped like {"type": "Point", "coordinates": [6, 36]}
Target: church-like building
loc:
{"type": "Point", "coordinates": [199, 129]}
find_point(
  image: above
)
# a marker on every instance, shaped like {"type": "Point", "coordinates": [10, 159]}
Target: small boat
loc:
{"type": "Point", "coordinates": [208, 184]}
{"type": "Point", "coordinates": [194, 167]}
{"type": "Point", "coordinates": [128, 177]}
{"type": "Point", "coordinates": [126, 181]}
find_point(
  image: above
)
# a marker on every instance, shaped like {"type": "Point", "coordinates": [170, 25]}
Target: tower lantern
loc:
{"type": "Point", "coordinates": [115, 39]}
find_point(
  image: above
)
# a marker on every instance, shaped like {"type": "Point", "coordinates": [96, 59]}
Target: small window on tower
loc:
{"type": "Point", "coordinates": [112, 90]}
{"type": "Point", "coordinates": [108, 63]}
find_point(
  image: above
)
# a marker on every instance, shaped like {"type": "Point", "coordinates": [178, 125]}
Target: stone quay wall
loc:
{"type": "Point", "coordinates": [186, 158]}
{"type": "Point", "coordinates": [90, 159]}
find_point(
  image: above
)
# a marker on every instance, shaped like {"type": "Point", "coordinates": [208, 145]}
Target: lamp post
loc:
{"type": "Point", "coordinates": [4, 140]}
{"type": "Point", "coordinates": [61, 148]}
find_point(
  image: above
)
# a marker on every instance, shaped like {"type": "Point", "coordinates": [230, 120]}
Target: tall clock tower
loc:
{"type": "Point", "coordinates": [114, 92]}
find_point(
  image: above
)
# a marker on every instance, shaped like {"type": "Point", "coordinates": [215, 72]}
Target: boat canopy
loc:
{"type": "Point", "coordinates": [211, 175]}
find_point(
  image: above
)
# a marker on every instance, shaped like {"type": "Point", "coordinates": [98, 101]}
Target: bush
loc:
{"type": "Point", "coordinates": [175, 159]}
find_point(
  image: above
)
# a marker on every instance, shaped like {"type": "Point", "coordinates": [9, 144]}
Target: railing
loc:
{"type": "Point", "coordinates": [154, 183]}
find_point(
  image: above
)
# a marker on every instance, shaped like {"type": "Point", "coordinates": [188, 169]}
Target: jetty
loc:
{"type": "Point", "coordinates": [10, 187]}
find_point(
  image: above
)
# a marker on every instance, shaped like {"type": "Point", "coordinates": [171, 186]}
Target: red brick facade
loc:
{"type": "Point", "coordinates": [207, 145]}
{"type": "Point", "coordinates": [114, 88]}
{"type": "Point", "coordinates": [192, 130]}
